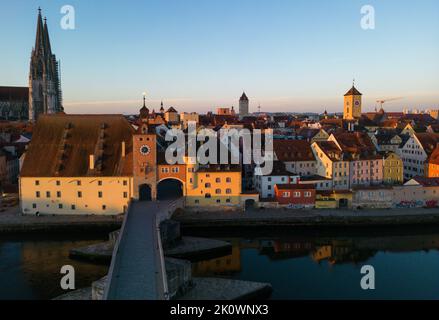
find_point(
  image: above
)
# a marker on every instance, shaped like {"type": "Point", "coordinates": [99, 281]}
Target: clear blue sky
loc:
{"type": "Point", "coordinates": [289, 55]}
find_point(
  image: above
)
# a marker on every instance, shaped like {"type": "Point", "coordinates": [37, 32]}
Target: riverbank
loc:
{"type": "Point", "coordinates": [309, 218]}
{"type": "Point", "coordinates": [13, 222]}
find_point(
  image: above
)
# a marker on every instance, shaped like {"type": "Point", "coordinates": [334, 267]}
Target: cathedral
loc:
{"type": "Point", "coordinates": [43, 96]}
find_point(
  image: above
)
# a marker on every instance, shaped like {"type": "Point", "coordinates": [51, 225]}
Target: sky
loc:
{"type": "Point", "coordinates": [196, 55]}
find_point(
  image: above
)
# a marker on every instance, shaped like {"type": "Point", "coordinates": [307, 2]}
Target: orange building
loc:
{"type": "Point", "coordinates": [432, 164]}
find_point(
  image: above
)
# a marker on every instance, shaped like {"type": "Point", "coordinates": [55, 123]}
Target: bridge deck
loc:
{"type": "Point", "coordinates": [137, 268]}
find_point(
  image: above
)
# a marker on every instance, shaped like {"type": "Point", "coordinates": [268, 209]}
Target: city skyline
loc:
{"type": "Point", "coordinates": [231, 50]}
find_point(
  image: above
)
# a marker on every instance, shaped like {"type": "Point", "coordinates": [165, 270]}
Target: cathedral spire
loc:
{"type": "Point", "coordinates": [39, 40]}
{"type": "Point", "coordinates": [46, 39]}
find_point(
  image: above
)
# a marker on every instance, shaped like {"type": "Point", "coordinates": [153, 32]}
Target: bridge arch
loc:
{"type": "Point", "coordinates": [170, 188]}
{"type": "Point", "coordinates": [145, 192]}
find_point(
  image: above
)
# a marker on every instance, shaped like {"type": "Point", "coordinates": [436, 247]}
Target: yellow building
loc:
{"type": "Point", "coordinates": [213, 186]}
{"type": "Point", "coordinates": [76, 195]}
{"type": "Point", "coordinates": [334, 199]}
{"type": "Point", "coordinates": [78, 165]}
{"type": "Point", "coordinates": [352, 104]}
{"type": "Point", "coordinates": [393, 171]}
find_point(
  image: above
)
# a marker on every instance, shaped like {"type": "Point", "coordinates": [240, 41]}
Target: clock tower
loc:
{"type": "Point", "coordinates": [145, 161]}
{"type": "Point", "coordinates": [352, 104]}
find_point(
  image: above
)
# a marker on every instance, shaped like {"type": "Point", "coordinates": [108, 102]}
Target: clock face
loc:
{"type": "Point", "coordinates": [145, 150]}
{"type": "Point", "coordinates": [357, 103]}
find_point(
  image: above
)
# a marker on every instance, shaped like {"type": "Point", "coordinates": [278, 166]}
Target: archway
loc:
{"type": "Point", "coordinates": [145, 193]}
{"type": "Point", "coordinates": [250, 204]}
{"type": "Point", "coordinates": [169, 189]}
{"type": "Point", "coordinates": [343, 203]}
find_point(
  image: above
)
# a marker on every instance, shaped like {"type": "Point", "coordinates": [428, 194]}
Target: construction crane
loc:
{"type": "Point", "coordinates": [383, 101]}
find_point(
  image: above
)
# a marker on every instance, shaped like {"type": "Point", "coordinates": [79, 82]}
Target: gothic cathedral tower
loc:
{"type": "Point", "coordinates": [145, 159]}
{"type": "Point", "coordinates": [44, 82]}
{"type": "Point", "coordinates": [352, 104]}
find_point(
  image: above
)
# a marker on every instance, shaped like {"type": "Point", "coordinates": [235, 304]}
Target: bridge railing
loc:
{"type": "Point", "coordinates": [115, 251]}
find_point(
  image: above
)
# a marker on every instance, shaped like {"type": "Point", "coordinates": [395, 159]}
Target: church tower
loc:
{"type": "Point", "coordinates": [145, 159]}
{"type": "Point", "coordinates": [243, 105]}
{"type": "Point", "coordinates": [44, 82]}
{"type": "Point", "coordinates": [352, 104]}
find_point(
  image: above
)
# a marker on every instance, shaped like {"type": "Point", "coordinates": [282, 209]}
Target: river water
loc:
{"type": "Point", "coordinates": [298, 264]}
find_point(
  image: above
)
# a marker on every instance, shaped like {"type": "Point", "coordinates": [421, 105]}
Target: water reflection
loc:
{"type": "Point", "coordinates": [328, 266]}
{"type": "Point", "coordinates": [30, 269]}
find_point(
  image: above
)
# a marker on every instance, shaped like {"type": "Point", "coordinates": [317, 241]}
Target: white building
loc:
{"type": "Point", "coordinates": [415, 152]}
{"type": "Point", "coordinates": [265, 184]}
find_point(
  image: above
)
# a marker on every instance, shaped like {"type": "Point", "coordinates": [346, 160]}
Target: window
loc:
{"type": "Point", "coordinates": [60, 206]}
{"type": "Point", "coordinates": [165, 170]}
{"type": "Point", "coordinates": [78, 182]}
{"type": "Point", "coordinates": [228, 200]}
{"type": "Point", "coordinates": [228, 191]}
{"type": "Point", "coordinates": [58, 194]}
{"type": "Point", "coordinates": [218, 180]}
{"type": "Point", "coordinates": [99, 183]}
{"type": "Point", "coordinates": [218, 201]}
{"type": "Point", "coordinates": [100, 194]}
{"type": "Point", "coordinates": [197, 201]}
{"type": "Point", "coordinates": [175, 170]}
{"type": "Point", "coordinates": [37, 182]}
{"type": "Point", "coordinates": [208, 196]}
{"type": "Point", "coordinates": [207, 185]}
{"type": "Point", "coordinates": [73, 207]}
{"type": "Point", "coordinates": [79, 194]}
{"type": "Point", "coordinates": [37, 194]}
{"type": "Point", "coordinates": [125, 195]}
{"type": "Point", "coordinates": [229, 180]}
{"type": "Point", "coordinates": [125, 183]}
{"type": "Point", "coordinates": [297, 194]}
{"type": "Point", "coordinates": [47, 194]}
{"type": "Point", "coordinates": [218, 191]}
{"type": "Point", "coordinates": [285, 194]}
{"type": "Point", "coordinates": [307, 194]}
{"type": "Point", "coordinates": [34, 205]}
{"type": "Point", "coordinates": [104, 207]}
{"type": "Point", "coordinates": [58, 183]}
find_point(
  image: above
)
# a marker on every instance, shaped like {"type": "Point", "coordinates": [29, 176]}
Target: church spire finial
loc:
{"type": "Point", "coordinates": [144, 99]}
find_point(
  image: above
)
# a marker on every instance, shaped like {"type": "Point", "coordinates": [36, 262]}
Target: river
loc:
{"type": "Point", "coordinates": [298, 264]}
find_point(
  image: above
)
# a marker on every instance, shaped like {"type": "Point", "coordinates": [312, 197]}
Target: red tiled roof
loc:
{"type": "Point", "coordinates": [427, 182]}
{"type": "Point", "coordinates": [295, 186]}
{"type": "Point", "coordinates": [69, 140]}
{"type": "Point", "coordinates": [331, 149]}
{"type": "Point", "coordinates": [353, 92]}
{"type": "Point", "coordinates": [293, 150]}
{"type": "Point", "coordinates": [14, 93]}
{"type": "Point", "coordinates": [428, 141]}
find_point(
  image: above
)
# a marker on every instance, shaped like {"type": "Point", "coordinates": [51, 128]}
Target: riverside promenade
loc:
{"type": "Point", "coordinates": [12, 221]}
{"type": "Point", "coordinates": [309, 218]}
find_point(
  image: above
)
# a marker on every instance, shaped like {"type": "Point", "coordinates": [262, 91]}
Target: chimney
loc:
{"type": "Point", "coordinates": [92, 162]}
{"type": "Point", "coordinates": [123, 149]}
